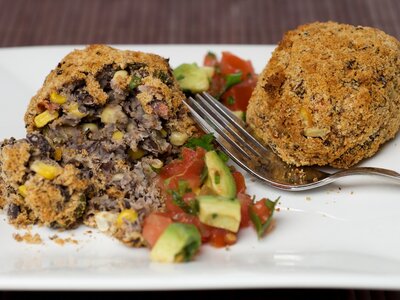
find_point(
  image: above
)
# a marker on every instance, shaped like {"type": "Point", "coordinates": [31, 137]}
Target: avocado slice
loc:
{"type": "Point", "coordinates": [220, 178]}
{"type": "Point", "coordinates": [240, 114]}
{"type": "Point", "coordinates": [178, 243]}
{"type": "Point", "coordinates": [192, 78]}
{"type": "Point", "coordinates": [220, 212]}
{"type": "Point", "coordinates": [209, 71]}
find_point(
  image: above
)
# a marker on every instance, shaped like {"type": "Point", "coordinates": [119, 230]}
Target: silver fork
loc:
{"type": "Point", "coordinates": [236, 140]}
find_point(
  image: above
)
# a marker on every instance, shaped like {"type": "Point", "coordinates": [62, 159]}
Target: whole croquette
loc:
{"type": "Point", "coordinates": [329, 95]}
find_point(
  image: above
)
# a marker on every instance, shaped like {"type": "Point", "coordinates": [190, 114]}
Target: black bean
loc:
{"type": "Point", "coordinates": [351, 64]}
{"type": "Point", "coordinates": [13, 211]}
{"type": "Point", "coordinates": [127, 204]}
{"type": "Point", "coordinates": [83, 97]}
{"type": "Point", "coordinates": [54, 225]}
{"type": "Point", "coordinates": [107, 167]}
{"type": "Point", "coordinates": [104, 77]}
{"type": "Point", "coordinates": [136, 66]}
{"type": "Point", "coordinates": [39, 141]}
{"type": "Point", "coordinates": [64, 192]}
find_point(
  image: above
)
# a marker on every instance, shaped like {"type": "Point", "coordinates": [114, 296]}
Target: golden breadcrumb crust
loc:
{"type": "Point", "coordinates": [57, 203]}
{"type": "Point", "coordinates": [329, 95]}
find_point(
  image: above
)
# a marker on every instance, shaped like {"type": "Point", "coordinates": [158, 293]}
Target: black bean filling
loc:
{"type": "Point", "coordinates": [115, 155]}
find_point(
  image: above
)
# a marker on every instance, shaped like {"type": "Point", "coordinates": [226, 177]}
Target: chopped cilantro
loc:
{"type": "Point", "coordinates": [205, 141]}
{"type": "Point", "coordinates": [177, 198]}
{"type": "Point", "coordinates": [232, 79]}
{"type": "Point", "coordinates": [211, 54]}
{"type": "Point", "coordinates": [135, 82]}
{"type": "Point", "coordinates": [190, 208]}
{"type": "Point", "coordinates": [231, 100]}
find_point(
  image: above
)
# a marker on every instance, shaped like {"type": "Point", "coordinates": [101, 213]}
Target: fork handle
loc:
{"type": "Point", "coordinates": [367, 171]}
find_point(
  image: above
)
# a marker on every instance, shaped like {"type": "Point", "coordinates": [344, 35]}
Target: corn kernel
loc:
{"type": "Point", "coordinates": [73, 109]}
{"type": "Point", "coordinates": [58, 153]}
{"type": "Point", "coordinates": [45, 117]}
{"type": "Point", "coordinates": [129, 215]}
{"type": "Point", "coordinates": [117, 177]}
{"type": "Point", "coordinates": [138, 154]}
{"type": "Point", "coordinates": [178, 138]}
{"type": "Point", "coordinates": [305, 116]}
{"type": "Point", "coordinates": [57, 98]}
{"type": "Point", "coordinates": [316, 132]}
{"type": "Point", "coordinates": [89, 127]}
{"type": "Point", "coordinates": [157, 164]}
{"type": "Point", "coordinates": [45, 170]}
{"type": "Point", "coordinates": [164, 133]}
{"type": "Point", "coordinates": [22, 190]}
{"type": "Point", "coordinates": [117, 136]}
{"type": "Point", "coordinates": [111, 114]}
{"type": "Point", "coordinates": [121, 73]}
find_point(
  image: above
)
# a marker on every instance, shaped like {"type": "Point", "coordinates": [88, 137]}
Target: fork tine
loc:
{"type": "Point", "coordinates": [194, 106]}
{"type": "Point", "coordinates": [239, 157]}
{"type": "Point", "coordinates": [236, 122]}
{"type": "Point", "coordinates": [227, 126]}
{"type": "Point", "coordinates": [200, 121]}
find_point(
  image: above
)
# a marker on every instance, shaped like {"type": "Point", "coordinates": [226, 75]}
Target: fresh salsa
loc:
{"type": "Point", "coordinates": [230, 79]}
{"type": "Point", "coordinates": [206, 202]}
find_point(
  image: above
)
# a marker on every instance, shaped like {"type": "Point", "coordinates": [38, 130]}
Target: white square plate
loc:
{"type": "Point", "coordinates": [346, 235]}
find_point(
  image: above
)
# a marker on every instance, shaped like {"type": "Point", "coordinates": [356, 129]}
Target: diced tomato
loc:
{"type": "Point", "coordinates": [154, 225]}
{"type": "Point", "coordinates": [188, 168]}
{"type": "Point", "coordinates": [245, 202]}
{"type": "Point", "coordinates": [180, 166]}
{"type": "Point", "coordinates": [210, 60]}
{"type": "Point", "coordinates": [221, 238]}
{"type": "Point", "coordinates": [233, 64]}
{"type": "Point", "coordinates": [238, 96]}
{"type": "Point", "coordinates": [240, 183]}
{"type": "Point", "coordinates": [261, 210]}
